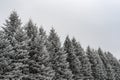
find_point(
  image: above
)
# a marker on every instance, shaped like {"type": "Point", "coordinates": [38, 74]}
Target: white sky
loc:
{"type": "Point", "coordinates": [92, 22]}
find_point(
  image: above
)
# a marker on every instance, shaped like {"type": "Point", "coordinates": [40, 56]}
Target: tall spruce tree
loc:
{"type": "Point", "coordinates": [38, 61]}
{"type": "Point", "coordinates": [12, 32]}
{"type": "Point", "coordinates": [115, 65]}
{"type": "Point", "coordinates": [86, 66]}
{"type": "Point", "coordinates": [74, 63]}
{"type": "Point", "coordinates": [20, 56]}
{"type": "Point", "coordinates": [11, 26]}
{"type": "Point", "coordinates": [96, 64]}
{"type": "Point", "coordinates": [12, 23]}
{"type": "Point", "coordinates": [54, 43]}
{"type": "Point", "coordinates": [107, 67]}
{"type": "Point", "coordinates": [58, 58]}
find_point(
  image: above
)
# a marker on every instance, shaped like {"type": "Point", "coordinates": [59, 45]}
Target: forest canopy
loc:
{"type": "Point", "coordinates": [28, 53]}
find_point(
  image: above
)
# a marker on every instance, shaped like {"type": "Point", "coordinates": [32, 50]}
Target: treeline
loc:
{"type": "Point", "coordinates": [28, 53]}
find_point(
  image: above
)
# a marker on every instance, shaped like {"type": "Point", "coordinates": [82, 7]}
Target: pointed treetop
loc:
{"type": "Point", "coordinates": [53, 35]}
{"type": "Point", "coordinates": [75, 43]}
{"type": "Point", "coordinates": [30, 22]}
{"type": "Point", "coordinates": [52, 30]}
{"type": "Point", "coordinates": [12, 23]}
{"type": "Point", "coordinates": [54, 39]}
{"type": "Point", "coordinates": [88, 48]}
{"type": "Point", "coordinates": [99, 49]}
{"type": "Point", "coordinates": [74, 40]}
{"type": "Point", "coordinates": [68, 45]}
{"type": "Point", "coordinates": [100, 52]}
{"type": "Point", "coordinates": [42, 31]}
{"type": "Point", "coordinates": [67, 38]}
{"type": "Point", "coordinates": [14, 19]}
{"type": "Point", "coordinates": [13, 14]}
{"type": "Point", "coordinates": [67, 41]}
{"type": "Point", "coordinates": [31, 29]}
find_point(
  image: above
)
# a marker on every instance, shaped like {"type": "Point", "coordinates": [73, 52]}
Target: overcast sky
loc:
{"type": "Point", "coordinates": [91, 22]}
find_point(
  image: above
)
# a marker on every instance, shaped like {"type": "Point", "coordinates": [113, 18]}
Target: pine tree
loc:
{"type": "Point", "coordinates": [5, 61]}
{"type": "Point", "coordinates": [12, 32]}
{"type": "Point", "coordinates": [53, 41]}
{"type": "Point", "coordinates": [86, 66]}
{"type": "Point", "coordinates": [58, 58]}
{"type": "Point", "coordinates": [12, 23]}
{"type": "Point", "coordinates": [107, 67]}
{"type": "Point", "coordinates": [96, 64]}
{"type": "Point", "coordinates": [74, 63]}
{"type": "Point", "coordinates": [115, 65]}
{"type": "Point", "coordinates": [11, 26]}
{"type": "Point", "coordinates": [20, 57]}
{"type": "Point", "coordinates": [39, 68]}
{"type": "Point", "coordinates": [60, 65]}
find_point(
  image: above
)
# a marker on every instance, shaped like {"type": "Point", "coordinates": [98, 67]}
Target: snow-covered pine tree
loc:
{"type": "Point", "coordinates": [107, 67]}
{"type": "Point", "coordinates": [15, 37]}
{"type": "Point", "coordinates": [58, 58]}
{"type": "Point", "coordinates": [60, 65]}
{"type": "Point", "coordinates": [96, 64]}
{"type": "Point", "coordinates": [115, 65]}
{"type": "Point", "coordinates": [12, 23]}
{"type": "Point", "coordinates": [5, 61]}
{"type": "Point", "coordinates": [20, 55]}
{"type": "Point", "coordinates": [11, 26]}
{"type": "Point", "coordinates": [86, 66]}
{"type": "Point", "coordinates": [74, 63]}
{"type": "Point", "coordinates": [39, 68]}
{"type": "Point", "coordinates": [54, 43]}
